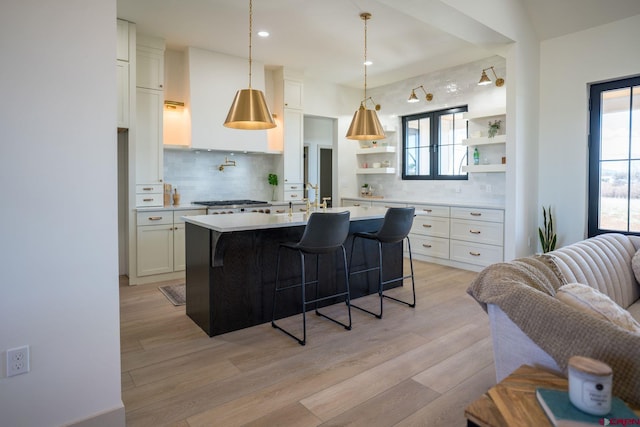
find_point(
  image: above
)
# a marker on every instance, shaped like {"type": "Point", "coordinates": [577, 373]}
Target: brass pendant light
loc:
{"type": "Point", "coordinates": [249, 109]}
{"type": "Point", "coordinates": [365, 125]}
{"type": "Point", "coordinates": [485, 80]}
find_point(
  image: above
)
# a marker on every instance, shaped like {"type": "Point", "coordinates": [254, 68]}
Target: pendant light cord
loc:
{"type": "Point", "coordinates": [365, 17]}
{"type": "Point", "coordinates": [250, 31]}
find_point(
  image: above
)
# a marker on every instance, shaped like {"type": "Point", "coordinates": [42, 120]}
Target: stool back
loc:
{"type": "Point", "coordinates": [325, 232]}
{"type": "Point", "coordinates": [396, 225]}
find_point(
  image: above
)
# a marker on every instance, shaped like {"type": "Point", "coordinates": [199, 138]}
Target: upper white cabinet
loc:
{"type": "Point", "coordinates": [123, 93]}
{"type": "Point", "coordinates": [149, 150]}
{"type": "Point", "coordinates": [288, 100]}
{"type": "Point", "coordinates": [150, 62]}
{"type": "Point", "coordinates": [292, 154]}
{"type": "Point", "coordinates": [122, 47]}
{"type": "Point", "coordinates": [214, 79]}
{"type": "Point", "coordinates": [149, 105]}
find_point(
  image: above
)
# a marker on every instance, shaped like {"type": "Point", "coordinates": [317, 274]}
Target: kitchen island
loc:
{"type": "Point", "coordinates": [231, 265]}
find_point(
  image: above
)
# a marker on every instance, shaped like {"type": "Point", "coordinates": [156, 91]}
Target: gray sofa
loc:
{"type": "Point", "coordinates": [529, 325]}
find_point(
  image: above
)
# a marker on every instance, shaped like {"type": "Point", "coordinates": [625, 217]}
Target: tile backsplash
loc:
{"type": "Point", "coordinates": [197, 177]}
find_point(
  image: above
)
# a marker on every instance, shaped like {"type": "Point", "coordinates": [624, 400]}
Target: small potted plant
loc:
{"type": "Point", "coordinates": [273, 181]}
{"type": "Point", "coordinates": [494, 128]}
{"type": "Point", "coordinates": [548, 237]}
{"type": "Point", "coordinates": [364, 190]}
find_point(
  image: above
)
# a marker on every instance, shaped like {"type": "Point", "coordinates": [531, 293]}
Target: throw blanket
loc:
{"type": "Point", "coordinates": [525, 288]}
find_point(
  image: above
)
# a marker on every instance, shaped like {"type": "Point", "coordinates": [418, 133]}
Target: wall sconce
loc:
{"type": "Point", "coordinates": [414, 98]}
{"type": "Point", "coordinates": [485, 80]}
{"type": "Point", "coordinates": [174, 105]}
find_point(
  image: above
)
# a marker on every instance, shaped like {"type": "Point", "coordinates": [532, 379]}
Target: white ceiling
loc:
{"type": "Point", "coordinates": [325, 39]}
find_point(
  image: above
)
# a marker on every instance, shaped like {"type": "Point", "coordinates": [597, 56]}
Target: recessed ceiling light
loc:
{"type": "Point", "coordinates": [263, 33]}
{"type": "Point", "coordinates": [367, 63]}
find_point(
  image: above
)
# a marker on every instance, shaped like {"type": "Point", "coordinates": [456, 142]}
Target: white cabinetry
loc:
{"type": "Point", "coordinates": [356, 203]}
{"type": "Point", "coordinates": [161, 241]}
{"type": "Point", "coordinates": [430, 231]}
{"type": "Point", "coordinates": [292, 153]}
{"type": "Point", "coordinates": [378, 158]}
{"type": "Point", "coordinates": [149, 104]}
{"type": "Point", "coordinates": [491, 150]}
{"type": "Point", "coordinates": [123, 71]}
{"type": "Point", "coordinates": [149, 153]}
{"type": "Point", "coordinates": [477, 235]}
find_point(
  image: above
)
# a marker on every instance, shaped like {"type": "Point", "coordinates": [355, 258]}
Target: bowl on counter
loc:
{"type": "Point", "coordinates": [376, 165]}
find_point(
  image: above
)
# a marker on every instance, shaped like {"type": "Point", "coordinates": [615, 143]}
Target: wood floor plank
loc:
{"type": "Point", "coordinates": [387, 408]}
{"type": "Point", "coordinates": [419, 366]}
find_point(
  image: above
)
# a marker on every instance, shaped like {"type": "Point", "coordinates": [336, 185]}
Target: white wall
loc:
{"type": "Point", "coordinates": [58, 268]}
{"type": "Point", "coordinates": [568, 65]}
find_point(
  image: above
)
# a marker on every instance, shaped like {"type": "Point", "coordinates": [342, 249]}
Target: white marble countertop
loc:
{"type": "Point", "coordinates": [181, 207]}
{"type": "Point", "coordinates": [258, 221]}
{"type": "Point", "coordinates": [478, 205]}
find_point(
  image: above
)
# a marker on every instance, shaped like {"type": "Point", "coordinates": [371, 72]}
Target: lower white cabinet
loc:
{"type": "Point", "coordinates": [458, 236]}
{"type": "Point", "coordinates": [161, 241]}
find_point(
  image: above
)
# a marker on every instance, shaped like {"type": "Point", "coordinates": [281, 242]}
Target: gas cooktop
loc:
{"type": "Point", "coordinates": [232, 203]}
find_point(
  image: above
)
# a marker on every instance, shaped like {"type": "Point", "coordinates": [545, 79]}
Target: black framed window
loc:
{"type": "Point", "coordinates": [432, 145]}
{"type": "Point", "coordinates": [614, 157]}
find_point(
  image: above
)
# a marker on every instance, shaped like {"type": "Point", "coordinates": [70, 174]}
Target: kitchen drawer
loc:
{"type": "Point", "coordinates": [381, 204]}
{"type": "Point", "coordinates": [429, 246]}
{"type": "Point", "coordinates": [356, 203]}
{"type": "Point", "coordinates": [430, 226]}
{"type": "Point", "coordinates": [294, 195]}
{"type": "Point", "coordinates": [431, 210]}
{"type": "Point", "coordinates": [149, 188]}
{"type": "Point", "coordinates": [492, 215]}
{"type": "Point", "coordinates": [177, 215]}
{"type": "Point", "coordinates": [155, 218]}
{"type": "Point", "coordinates": [477, 231]}
{"type": "Point", "coordinates": [150, 200]}
{"type": "Point", "coordinates": [475, 253]}
{"type": "Point", "coordinates": [299, 187]}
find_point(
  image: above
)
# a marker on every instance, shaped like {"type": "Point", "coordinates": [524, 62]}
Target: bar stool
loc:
{"type": "Point", "coordinates": [325, 233]}
{"type": "Point", "coordinates": [395, 228]}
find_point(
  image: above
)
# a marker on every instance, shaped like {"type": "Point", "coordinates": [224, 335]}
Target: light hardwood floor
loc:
{"type": "Point", "coordinates": [415, 367]}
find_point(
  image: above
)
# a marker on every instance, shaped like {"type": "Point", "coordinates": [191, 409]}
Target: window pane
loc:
{"type": "Point", "coordinates": [634, 202]}
{"type": "Point", "coordinates": [453, 130]}
{"type": "Point", "coordinates": [417, 154]}
{"type": "Point", "coordinates": [614, 132]}
{"type": "Point", "coordinates": [614, 202]}
{"type": "Point", "coordinates": [635, 123]}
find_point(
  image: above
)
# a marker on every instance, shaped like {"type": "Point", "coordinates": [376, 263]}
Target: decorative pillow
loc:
{"type": "Point", "coordinates": [593, 302]}
{"type": "Point", "coordinates": [635, 264]}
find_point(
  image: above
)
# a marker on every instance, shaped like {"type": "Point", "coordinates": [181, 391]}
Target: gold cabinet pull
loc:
{"type": "Point", "coordinates": [474, 253]}
{"type": "Point", "coordinates": [427, 225]}
{"type": "Point", "coordinates": [147, 189]}
{"type": "Point", "coordinates": [426, 245]}
{"type": "Point", "coordinates": [428, 210]}
{"type": "Point", "coordinates": [293, 195]}
{"type": "Point", "coordinates": [356, 204]}
{"type": "Point", "coordinates": [474, 231]}
{"type": "Point", "coordinates": [147, 200]}
{"type": "Point", "coordinates": [475, 214]}
{"type": "Point", "coordinates": [155, 218]}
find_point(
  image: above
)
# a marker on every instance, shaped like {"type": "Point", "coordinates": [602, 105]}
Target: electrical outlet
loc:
{"type": "Point", "coordinates": [17, 361]}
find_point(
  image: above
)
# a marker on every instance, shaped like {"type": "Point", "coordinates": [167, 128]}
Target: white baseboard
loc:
{"type": "Point", "coordinates": [112, 418]}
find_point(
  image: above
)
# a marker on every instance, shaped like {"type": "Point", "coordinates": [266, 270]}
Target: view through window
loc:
{"type": "Point", "coordinates": [614, 157]}
{"type": "Point", "coordinates": [432, 145]}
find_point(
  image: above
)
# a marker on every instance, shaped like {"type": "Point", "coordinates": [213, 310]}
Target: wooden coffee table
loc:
{"type": "Point", "coordinates": [512, 402]}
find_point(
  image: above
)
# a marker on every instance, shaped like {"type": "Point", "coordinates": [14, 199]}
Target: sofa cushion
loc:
{"type": "Point", "coordinates": [597, 304]}
{"type": "Point", "coordinates": [604, 263]}
{"type": "Point", "coordinates": [635, 265]}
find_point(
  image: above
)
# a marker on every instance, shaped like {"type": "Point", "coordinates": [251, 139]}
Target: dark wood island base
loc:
{"type": "Point", "coordinates": [230, 276]}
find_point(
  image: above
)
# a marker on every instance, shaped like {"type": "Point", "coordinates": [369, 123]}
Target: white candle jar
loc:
{"type": "Point", "coordinates": [590, 384]}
